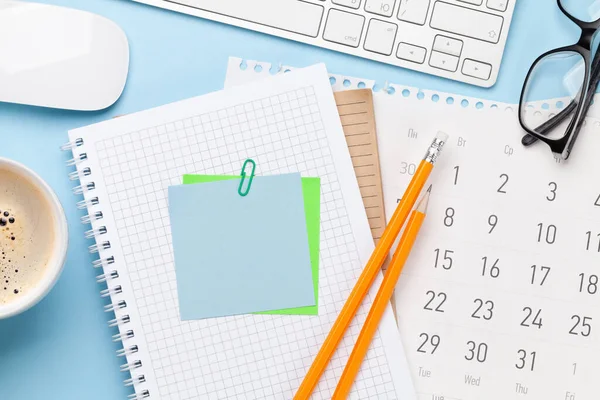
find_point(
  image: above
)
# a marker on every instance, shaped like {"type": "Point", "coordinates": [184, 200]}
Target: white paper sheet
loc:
{"type": "Point", "coordinates": [286, 124]}
{"type": "Point", "coordinates": [243, 71]}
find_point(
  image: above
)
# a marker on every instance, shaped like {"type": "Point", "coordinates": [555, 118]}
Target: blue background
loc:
{"type": "Point", "coordinates": [61, 348]}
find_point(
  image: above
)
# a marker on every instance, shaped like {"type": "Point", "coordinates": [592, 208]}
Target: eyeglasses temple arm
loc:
{"type": "Point", "coordinates": [595, 80]}
{"type": "Point", "coordinates": [547, 126]}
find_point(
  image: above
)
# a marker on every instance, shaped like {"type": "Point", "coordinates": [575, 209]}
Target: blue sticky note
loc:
{"type": "Point", "coordinates": [237, 255]}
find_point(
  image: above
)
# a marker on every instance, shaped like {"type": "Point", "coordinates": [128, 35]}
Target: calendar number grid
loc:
{"type": "Point", "coordinates": [499, 298]}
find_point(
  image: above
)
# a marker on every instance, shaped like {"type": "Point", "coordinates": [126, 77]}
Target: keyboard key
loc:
{"type": "Point", "coordinates": [380, 37]}
{"type": "Point", "coordinates": [410, 52]}
{"type": "Point", "coordinates": [380, 7]}
{"type": "Point", "coordinates": [288, 15]}
{"type": "Point", "coordinates": [448, 45]}
{"type": "Point", "coordinates": [413, 11]}
{"type": "Point", "coordinates": [347, 3]}
{"type": "Point", "coordinates": [466, 22]}
{"type": "Point", "coordinates": [343, 27]}
{"type": "Point", "coordinates": [443, 61]}
{"type": "Point", "coordinates": [477, 69]}
{"type": "Point", "coordinates": [474, 2]}
{"type": "Point", "coordinates": [498, 5]}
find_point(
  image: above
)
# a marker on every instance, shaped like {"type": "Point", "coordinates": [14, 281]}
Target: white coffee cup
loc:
{"type": "Point", "coordinates": [57, 258]}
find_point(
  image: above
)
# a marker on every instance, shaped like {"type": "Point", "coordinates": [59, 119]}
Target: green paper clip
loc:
{"type": "Point", "coordinates": [243, 174]}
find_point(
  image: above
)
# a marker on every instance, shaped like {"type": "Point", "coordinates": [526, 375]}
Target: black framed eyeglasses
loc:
{"type": "Point", "coordinates": [564, 72]}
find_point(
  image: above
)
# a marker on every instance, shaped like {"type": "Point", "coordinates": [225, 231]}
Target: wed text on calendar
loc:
{"type": "Point", "coordinates": [499, 299]}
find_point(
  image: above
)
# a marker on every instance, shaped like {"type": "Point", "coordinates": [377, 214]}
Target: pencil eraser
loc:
{"type": "Point", "coordinates": [442, 136]}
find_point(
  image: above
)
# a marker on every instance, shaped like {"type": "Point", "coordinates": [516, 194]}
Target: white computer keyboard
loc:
{"type": "Point", "coordinates": [457, 39]}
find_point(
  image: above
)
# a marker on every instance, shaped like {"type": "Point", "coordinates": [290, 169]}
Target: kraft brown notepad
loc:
{"type": "Point", "coordinates": [358, 121]}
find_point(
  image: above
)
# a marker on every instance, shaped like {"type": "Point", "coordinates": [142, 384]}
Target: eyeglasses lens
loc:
{"type": "Point", "coordinates": [560, 77]}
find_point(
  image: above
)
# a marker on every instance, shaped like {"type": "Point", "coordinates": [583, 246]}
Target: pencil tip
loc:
{"type": "Point", "coordinates": [424, 201]}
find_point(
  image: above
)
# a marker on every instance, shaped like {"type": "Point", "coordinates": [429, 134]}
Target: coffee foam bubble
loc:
{"type": "Point", "coordinates": [26, 235]}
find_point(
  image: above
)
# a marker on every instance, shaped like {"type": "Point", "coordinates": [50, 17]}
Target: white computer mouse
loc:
{"type": "Point", "coordinates": [60, 57]}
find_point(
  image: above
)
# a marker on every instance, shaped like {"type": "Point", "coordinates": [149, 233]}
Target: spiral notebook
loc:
{"type": "Point", "coordinates": [499, 298]}
{"type": "Point", "coordinates": [286, 124]}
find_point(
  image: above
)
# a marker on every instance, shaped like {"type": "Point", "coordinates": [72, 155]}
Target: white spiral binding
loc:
{"type": "Point", "coordinates": [109, 276]}
{"type": "Point", "coordinates": [103, 262]}
{"type": "Point", "coordinates": [119, 321]}
{"type": "Point", "coordinates": [131, 366]}
{"type": "Point", "coordinates": [111, 291]}
{"type": "Point", "coordinates": [88, 219]}
{"type": "Point", "coordinates": [75, 175]}
{"type": "Point", "coordinates": [93, 233]}
{"type": "Point", "coordinates": [98, 247]}
{"type": "Point", "coordinates": [84, 204]}
{"type": "Point", "coordinates": [143, 395]}
{"type": "Point", "coordinates": [132, 381]}
{"type": "Point", "coordinates": [128, 351]}
{"type": "Point", "coordinates": [119, 337]}
{"type": "Point", "coordinates": [77, 160]}
{"type": "Point", "coordinates": [112, 307]}
{"type": "Point", "coordinates": [81, 189]}
{"type": "Point", "coordinates": [72, 145]}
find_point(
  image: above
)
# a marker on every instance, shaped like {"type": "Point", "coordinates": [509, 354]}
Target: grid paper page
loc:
{"type": "Point", "coordinates": [288, 124]}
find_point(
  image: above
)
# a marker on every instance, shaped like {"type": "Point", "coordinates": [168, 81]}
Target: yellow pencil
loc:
{"type": "Point", "coordinates": [366, 278]}
{"type": "Point", "coordinates": [382, 299]}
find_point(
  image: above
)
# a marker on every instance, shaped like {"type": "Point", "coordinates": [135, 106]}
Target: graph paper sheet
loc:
{"type": "Point", "coordinates": [286, 124]}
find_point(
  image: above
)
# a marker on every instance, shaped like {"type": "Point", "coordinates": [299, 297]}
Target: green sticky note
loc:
{"type": "Point", "coordinates": [311, 191]}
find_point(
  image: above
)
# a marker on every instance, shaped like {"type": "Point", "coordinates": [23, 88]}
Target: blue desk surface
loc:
{"type": "Point", "coordinates": [62, 349]}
